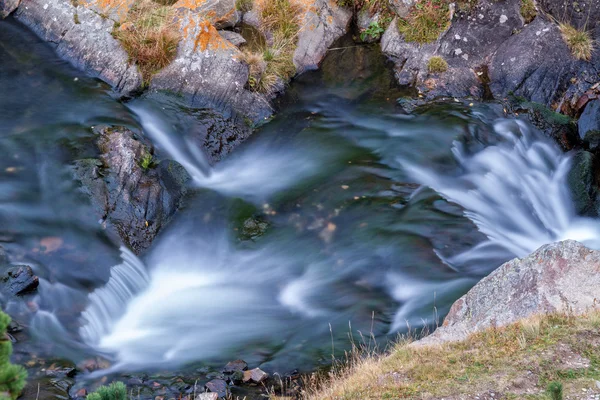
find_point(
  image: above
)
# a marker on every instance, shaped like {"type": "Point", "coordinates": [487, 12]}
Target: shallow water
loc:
{"type": "Point", "coordinates": [375, 220]}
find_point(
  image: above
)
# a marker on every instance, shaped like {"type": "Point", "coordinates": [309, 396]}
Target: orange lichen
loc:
{"type": "Point", "coordinates": [208, 37]}
{"type": "Point", "coordinates": [112, 8]}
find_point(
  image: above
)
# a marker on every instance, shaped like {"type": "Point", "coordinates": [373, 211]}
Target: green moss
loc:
{"type": "Point", "coordinates": [147, 161]}
{"type": "Point", "coordinates": [436, 65]}
{"type": "Point", "coordinates": [528, 10]}
{"type": "Point", "coordinates": [244, 5]}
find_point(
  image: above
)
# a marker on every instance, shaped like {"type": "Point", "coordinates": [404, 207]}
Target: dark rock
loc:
{"type": "Point", "coordinates": [557, 278]}
{"type": "Point", "coordinates": [217, 386]}
{"type": "Point", "coordinates": [236, 377]}
{"type": "Point", "coordinates": [253, 228]}
{"type": "Point", "coordinates": [82, 37]}
{"type": "Point", "coordinates": [237, 365]}
{"type": "Point", "coordinates": [7, 7]}
{"type": "Point", "coordinates": [137, 200]}
{"type": "Point", "coordinates": [3, 257]}
{"type": "Point", "coordinates": [582, 183]}
{"type": "Point", "coordinates": [255, 375]}
{"type": "Point", "coordinates": [582, 15]}
{"type": "Point", "coordinates": [592, 140]}
{"type": "Point", "coordinates": [235, 38]}
{"type": "Point", "coordinates": [21, 279]}
{"type": "Point", "coordinates": [590, 118]}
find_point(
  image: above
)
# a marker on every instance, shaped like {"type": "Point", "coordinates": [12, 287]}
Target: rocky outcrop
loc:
{"type": "Point", "coordinates": [560, 277]}
{"type": "Point", "coordinates": [83, 37]}
{"type": "Point", "coordinates": [134, 194]}
{"type": "Point", "coordinates": [322, 24]}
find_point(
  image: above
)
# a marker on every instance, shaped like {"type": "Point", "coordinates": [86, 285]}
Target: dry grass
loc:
{"type": "Point", "coordinates": [580, 42]}
{"type": "Point", "coordinates": [150, 37]}
{"type": "Point", "coordinates": [524, 357]}
{"type": "Point", "coordinates": [427, 20]}
{"type": "Point", "coordinates": [437, 65]}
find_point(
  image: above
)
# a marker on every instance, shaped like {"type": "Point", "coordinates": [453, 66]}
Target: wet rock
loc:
{"type": "Point", "coordinates": [235, 38]}
{"type": "Point", "coordinates": [7, 7]}
{"type": "Point", "coordinates": [255, 375]}
{"type": "Point", "coordinates": [134, 193]}
{"type": "Point", "coordinates": [21, 280]}
{"type": "Point", "coordinates": [253, 228]}
{"type": "Point", "coordinates": [559, 277]}
{"type": "Point", "coordinates": [324, 23]}
{"type": "Point", "coordinates": [3, 257]}
{"type": "Point", "coordinates": [217, 386]}
{"type": "Point", "coordinates": [592, 140]}
{"type": "Point", "coordinates": [582, 183]}
{"type": "Point", "coordinates": [82, 37]}
{"type": "Point", "coordinates": [233, 366]}
{"type": "Point", "coordinates": [590, 118]}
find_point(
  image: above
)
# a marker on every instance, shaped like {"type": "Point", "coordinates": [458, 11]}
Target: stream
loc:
{"type": "Point", "coordinates": [344, 218]}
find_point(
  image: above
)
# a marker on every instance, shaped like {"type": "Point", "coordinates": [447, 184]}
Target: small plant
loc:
{"type": "Point", "coordinates": [437, 65]}
{"type": "Point", "coordinates": [426, 22]}
{"type": "Point", "coordinates": [555, 390]}
{"type": "Point", "coordinates": [528, 10]}
{"type": "Point", "coordinates": [115, 391]}
{"type": "Point", "coordinates": [579, 42]}
{"type": "Point", "coordinates": [12, 377]}
{"type": "Point", "coordinates": [373, 31]}
{"type": "Point", "coordinates": [244, 5]}
{"type": "Point", "coordinates": [147, 161]}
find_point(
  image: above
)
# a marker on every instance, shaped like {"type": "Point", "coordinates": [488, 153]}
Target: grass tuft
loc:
{"type": "Point", "coordinates": [436, 65]}
{"type": "Point", "coordinates": [427, 20]}
{"type": "Point", "coordinates": [580, 42]}
{"type": "Point", "coordinates": [150, 37]}
{"type": "Point", "coordinates": [528, 10]}
{"type": "Point", "coordinates": [244, 5]}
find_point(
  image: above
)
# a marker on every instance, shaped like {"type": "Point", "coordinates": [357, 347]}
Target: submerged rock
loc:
{"type": "Point", "coordinates": [234, 366]}
{"type": "Point", "coordinates": [559, 277]}
{"type": "Point", "coordinates": [21, 280]}
{"type": "Point", "coordinates": [136, 194]}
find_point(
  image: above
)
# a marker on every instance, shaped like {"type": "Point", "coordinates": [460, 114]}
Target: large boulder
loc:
{"type": "Point", "coordinates": [322, 24]}
{"type": "Point", "coordinates": [82, 37]}
{"type": "Point", "coordinates": [559, 277]}
{"type": "Point", "coordinates": [135, 195]}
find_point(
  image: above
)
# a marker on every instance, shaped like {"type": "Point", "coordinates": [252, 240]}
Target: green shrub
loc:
{"type": "Point", "coordinates": [115, 391]}
{"type": "Point", "coordinates": [555, 390]}
{"type": "Point", "coordinates": [374, 31]}
{"type": "Point", "coordinates": [437, 64]}
{"type": "Point", "coordinates": [12, 377]}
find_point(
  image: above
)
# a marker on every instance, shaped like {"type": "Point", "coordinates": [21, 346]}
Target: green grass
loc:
{"type": "Point", "coordinates": [531, 354]}
{"type": "Point", "coordinates": [115, 391]}
{"type": "Point", "coordinates": [437, 65]}
{"type": "Point", "coordinates": [427, 20]}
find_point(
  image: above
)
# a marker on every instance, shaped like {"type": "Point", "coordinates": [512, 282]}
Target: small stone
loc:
{"type": "Point", "coordinates": [237, 365]}
{"type": "Point", "coordinates": [218, 386]}
{"type": "Point", "coordinates": [255, 375]}
{"type": "Point", "coordinates": [22, 280]}
{"type": "Point", "coordinates": [207, 396]}
{"type": "Point", "coordinates": [81, 392]}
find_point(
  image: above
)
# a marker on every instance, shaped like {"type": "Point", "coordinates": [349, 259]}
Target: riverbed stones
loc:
{"type": "Point", "coordinates": [135, 194]}
{"type": "Point", "coordinates": [560, 277]}
{"type": "Point", "coordinates": [82, 37]}
{"type": "Point", "coordinates": [21, 280]}
{"type": "Point", "coordinates": [235, 366]}
{"type": "Point", "coordinates": [218, 386]}
{"type": "Point", "coordinates": [255, 375]}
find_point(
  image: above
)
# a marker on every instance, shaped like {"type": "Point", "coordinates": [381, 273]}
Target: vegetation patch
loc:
{"type": "Point", "coordinates": [244, 5]}
{"type": "Point", "coordinates": [150, 37]}
{"type": "Point", "coordinates": [427, 20]}
{"type": "Point", "coordinates": [538, 356]}
{"type": "Point", "coordinates": [115, 391]}
{"type": "Point", "coordinates": [528, 10]}
{"type": "Point", "coordinates": [373, 31]}
{"type": "Point", "coordinates": [580, 42]}
{"type": "Point", "coordinates": [436, 65]}
{"type": "Point", "coordinates": [12, 377]}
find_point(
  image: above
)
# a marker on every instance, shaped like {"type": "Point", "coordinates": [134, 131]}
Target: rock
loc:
{"type": "Point", "coordinates": [592, 140]}
{"type": "Point", "coordinates": [559, 277]}
{"type": "Point", "coordinates": [579, 14]}
{"type": "Point", "coordinates": [402, 7]}
{"type": "Point", "coordinates": [115, 10]}
{"type": "Point", "coordinates": [3, 257]}
{"type": "Point", "coordinates": [237, 365]}
{"type": "Point", "coordinates": [220, 13]}
{"type": "Point", "coordinates": [207, 396]}
{"type": "Point", "coordinates": [82, 37]}
{"type": "Point", "coordinates": [209, 72]}
{"type": "Point", "coordinates": [235, 38]}
{"type": "Point", "coordinates": [253, 228]}
{"type": "Point", "coordinates": [136, 200]}
{"type": "Point", "coordinates": [7, 7]}
{"type": "Point", "coordinates": [323, 23]}
{"type": "Point", "coordinates": [590, 118]}
{"type": "Point", "coordinates": [255, 375]}
{"type": "Point", "coordinates": [21, 280]}
{"type": "Point", "coordinates": [217, 386]}
{"type": "Point", "coordinates": [582, 183]}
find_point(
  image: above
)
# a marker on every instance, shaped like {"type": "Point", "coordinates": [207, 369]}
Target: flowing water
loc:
{"type": "Point", "coordinates": [341, 216]}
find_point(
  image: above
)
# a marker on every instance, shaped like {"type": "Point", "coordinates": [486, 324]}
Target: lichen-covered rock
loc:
{"type": "Point", "coordinates": [82, 37]}
{"type": "Point", "coordinates": [135, 195]}
{"type": "Point", "coordinates": [220, 13]}
{"type": "Point", "coordinates": [559, 277]}
{"type": "Point", "coordinates": [209, 72]}
{"type": "Point", "coordinates": [322, 24]}
{"type": "Point", "coordinates": [7, 7]}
